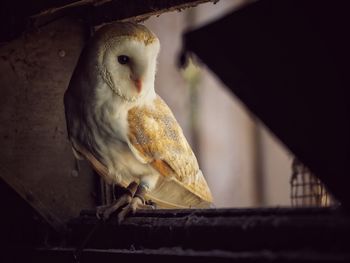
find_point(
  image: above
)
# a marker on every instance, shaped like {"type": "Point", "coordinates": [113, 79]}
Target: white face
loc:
{"type": "Point", "coordinates": [130, 66]}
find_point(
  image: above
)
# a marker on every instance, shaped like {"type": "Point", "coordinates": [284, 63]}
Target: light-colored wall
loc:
{"type": "Point", "coordinates": [276, 163]}
{"type": "Point", "coordinates": [226, 145]}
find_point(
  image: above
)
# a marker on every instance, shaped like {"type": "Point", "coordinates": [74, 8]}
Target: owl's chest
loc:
{"type": "Point", "coordinates": [111, 120]}
{"type": "Point", "coordinates": [113, 144]}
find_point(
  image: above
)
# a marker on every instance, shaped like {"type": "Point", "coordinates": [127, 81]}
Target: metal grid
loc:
{"type": "Point", "coordinates": [306, 188]}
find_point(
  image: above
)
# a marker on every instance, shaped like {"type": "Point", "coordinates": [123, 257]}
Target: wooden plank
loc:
{"type": "Point", "coordinates": [98, 12]}
{"type": "Point", "coordinates": [190, 235]}
{"type": "Point", "coordinates": [34, 14]}
{"type": "Point", "coordinates": [228, 229]}
{"type": "Point", "coordinates": [209, 235]}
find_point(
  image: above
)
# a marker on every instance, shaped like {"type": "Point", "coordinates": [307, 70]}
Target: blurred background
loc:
{"type": "Point", "coordinates": [244, 164]}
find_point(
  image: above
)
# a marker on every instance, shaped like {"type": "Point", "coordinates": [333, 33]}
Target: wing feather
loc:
{"type": "Point", "coordinates": [102, 170]}
{"type": "Point", "coordinates": [159, 141]}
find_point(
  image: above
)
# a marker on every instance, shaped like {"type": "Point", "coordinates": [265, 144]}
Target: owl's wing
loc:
{"type": "Point", "coordinates": [156, 138]}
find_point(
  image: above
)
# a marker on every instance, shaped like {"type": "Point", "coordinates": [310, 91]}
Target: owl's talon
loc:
{"type": "Point", "coordinates": [104, 212]}
{"type": "Point", "coordinates": [136, 203]}
{"type": "Point", "coordinates": [128, 203]}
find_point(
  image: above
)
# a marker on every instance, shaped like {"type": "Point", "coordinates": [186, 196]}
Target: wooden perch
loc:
{"type": "Point", "coordinates": [229, 229]}
{"type": "Point", "coordinates": [268, 235]}
{"type": "Point", "coordinates": [103, 11]}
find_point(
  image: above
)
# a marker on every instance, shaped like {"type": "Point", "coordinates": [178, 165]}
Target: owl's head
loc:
{"type": "Point", "coordinates": [126, 58]}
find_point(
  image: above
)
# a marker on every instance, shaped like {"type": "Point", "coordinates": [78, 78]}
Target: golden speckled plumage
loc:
{"type": "Point", "coordinates": [158, 138]}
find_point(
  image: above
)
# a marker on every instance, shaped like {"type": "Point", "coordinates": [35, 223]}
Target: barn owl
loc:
{"type": "Point", "coordinates": [128, 134]}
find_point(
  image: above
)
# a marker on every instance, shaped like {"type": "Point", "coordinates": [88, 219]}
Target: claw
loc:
{"type": "Point", "coordinates": [135, 203]}
{"type": "Point", "coordinates": [129, 202]}
{"type": "Point", "coordinates": [104, 212]}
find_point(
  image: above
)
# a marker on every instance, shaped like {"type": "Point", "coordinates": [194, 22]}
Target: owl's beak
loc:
{"type": "Point", "coordinates": [138, 84]}
{"type": "Point", "coordinates": [136, 77]}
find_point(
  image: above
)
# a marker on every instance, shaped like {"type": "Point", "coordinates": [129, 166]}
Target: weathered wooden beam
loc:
{"type": "Point", "coordinates": [214, 235]}
{"type": "Point", "coordinates": [218, 229]}
{"type": "Point", "coordinates": [97, 12]}
{"type": "Point", "coordinates": [35, 14]}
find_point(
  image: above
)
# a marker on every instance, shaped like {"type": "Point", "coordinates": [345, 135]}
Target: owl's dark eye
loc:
{"type": "Point", "coordinates": [122, 59]}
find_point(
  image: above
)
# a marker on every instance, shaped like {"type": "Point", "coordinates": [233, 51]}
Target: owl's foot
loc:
{"type": "Point", "coordinates": [137, 202]}
{"type": "Point", "coordinates": [104, 212]}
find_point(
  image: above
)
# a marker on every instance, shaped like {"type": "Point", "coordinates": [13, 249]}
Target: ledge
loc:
{"type": "Point", "coordinates": [208, 235]}
{"type": "Point", "coordinates": [235, 230]}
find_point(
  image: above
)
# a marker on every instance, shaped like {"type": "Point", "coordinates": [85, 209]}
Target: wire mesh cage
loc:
{"type": "Point", "coordinates": [307, 189]}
